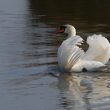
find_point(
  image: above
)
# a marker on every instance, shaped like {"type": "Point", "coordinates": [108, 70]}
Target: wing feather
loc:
{"type": "Point", "coordinates": [99, 49]}
{"type": "Point", "coordinates": [69, 53]}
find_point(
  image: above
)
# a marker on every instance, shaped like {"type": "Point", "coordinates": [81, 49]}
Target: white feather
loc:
{"type": "Point", "coordinates": [69, 53]}
{"type": "Point", "coordinates": [99, 49]}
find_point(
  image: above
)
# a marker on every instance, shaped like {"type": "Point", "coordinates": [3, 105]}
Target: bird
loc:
{"type": "Point", "coordinates": [71, 56]}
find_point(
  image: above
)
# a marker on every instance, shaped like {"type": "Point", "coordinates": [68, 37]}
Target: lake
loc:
{"type": "Point", "coordinates": [28, 55]}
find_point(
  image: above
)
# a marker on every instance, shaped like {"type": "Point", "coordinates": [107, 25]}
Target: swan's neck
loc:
{"type": "Point", "coordinates": [72, 33]}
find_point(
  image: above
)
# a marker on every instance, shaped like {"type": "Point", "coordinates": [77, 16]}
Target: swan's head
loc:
{"type": "Point", "coordinates": [68, 29]}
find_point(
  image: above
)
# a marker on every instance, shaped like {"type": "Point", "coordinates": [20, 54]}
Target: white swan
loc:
{"type": "Point", "coordinates": [72, 58]}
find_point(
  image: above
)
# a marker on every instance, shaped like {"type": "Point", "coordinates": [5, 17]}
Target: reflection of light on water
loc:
{"type": "Point", "coordinates": [84, 91]}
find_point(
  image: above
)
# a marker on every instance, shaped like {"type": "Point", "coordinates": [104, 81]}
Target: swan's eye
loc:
{"type": "Point", "coordinates": [61, 29]}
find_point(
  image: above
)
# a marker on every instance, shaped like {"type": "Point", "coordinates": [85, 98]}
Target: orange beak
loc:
{"type": "Point", "coordinates": [61, 31]}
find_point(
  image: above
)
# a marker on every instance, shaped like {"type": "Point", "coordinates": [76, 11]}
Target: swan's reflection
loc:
{"type": "Point", "coordinates": [84, 92]}
{"type": "Point", "coordinates": [71, 95]}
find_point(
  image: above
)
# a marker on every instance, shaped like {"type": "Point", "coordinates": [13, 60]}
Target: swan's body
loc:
{"type": "Point", "coordinates": [72, 58]}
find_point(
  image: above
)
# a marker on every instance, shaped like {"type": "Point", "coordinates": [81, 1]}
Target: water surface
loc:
{"type": "Point", "coordinates": [28, 47]}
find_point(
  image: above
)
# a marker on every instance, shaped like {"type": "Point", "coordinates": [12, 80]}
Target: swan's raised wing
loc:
{"type": "Point", "coordinates": [69, 52]}
{"type": "Point", "coordinates": [99, 49]}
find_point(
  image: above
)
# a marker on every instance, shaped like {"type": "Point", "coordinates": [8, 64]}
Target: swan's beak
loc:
{"type": "Point", "coordinates": [60, 31]}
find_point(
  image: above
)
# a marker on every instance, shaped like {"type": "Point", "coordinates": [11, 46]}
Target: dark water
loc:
{"type": "Point", "coordinates": [28, 46]}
